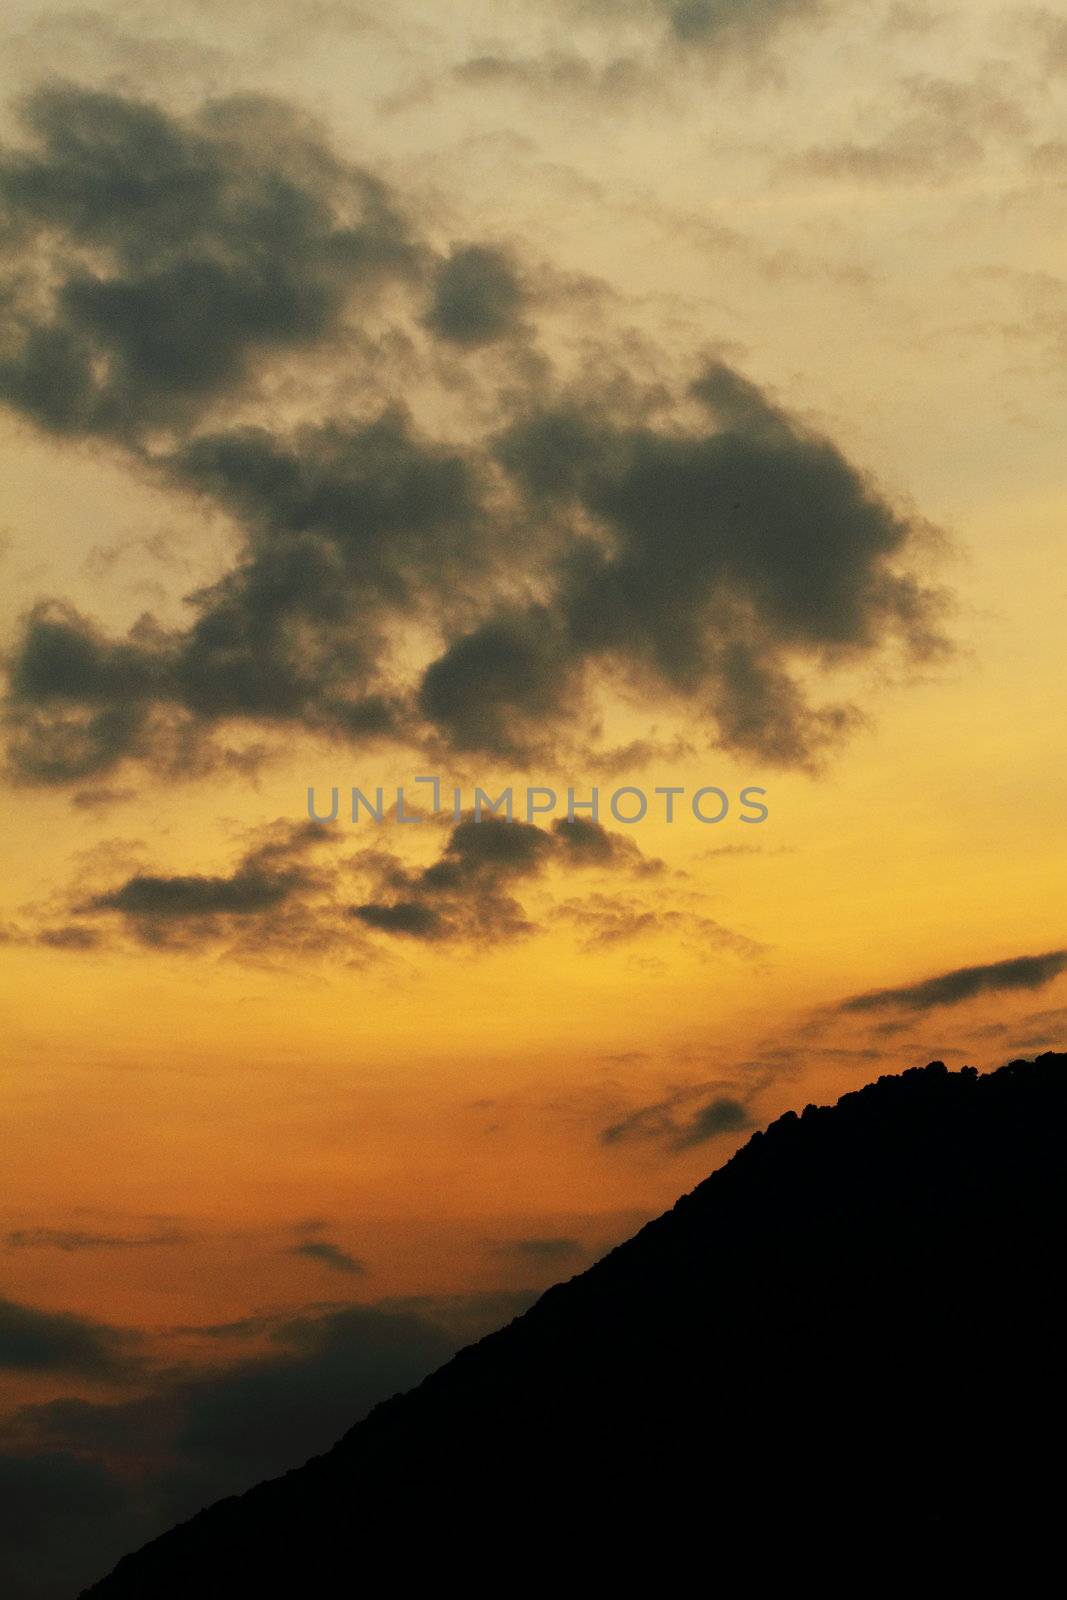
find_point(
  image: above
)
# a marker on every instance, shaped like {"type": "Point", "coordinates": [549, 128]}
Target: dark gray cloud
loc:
{"type": "Point", "coordinates": [586, 843]}
{"type": "Point", "coordinates": [466, 894]}
{"type": "Point", "coordinates": [52, 1341]}
{"type": "Point", "coordinates": [739, 554]}
{"type": "Point", "coordinates": [175, 253]}
{"type": "Point", "coordinates": [100, 799]}
{"type": "Point", "coordinates": [715, 22]}
{"type": "Point", "coordinates": [721, 1115]}
{"type": "Point", "coordinates": [347, 526]}
{"type": "Point", "coordinates": [73, 937]}
{"type": "Point", "coordinates": [952, 988]}
{"type": "Point", "coordinates": [225, 1429]}
{"type": "Point", "coordinates": [291, 892]}
{"type": "Point", "coordinates": [246, 891]}
{"type": "Point", "coordinates": [685, 1119]}
{"type": "Point", "coordinates": [180, 255]}
{"type": "Point", "coordinates": [369, 506]}
{"type": "Point", "coordinates": [409, 919]}
{"type": "Point", "coordinates": [77, 701]}
{"type": "Point", "coordinates": [478, 296]}
{"type": "Point", "coordinates": [706, 29]}
{"type": "Point", "coordinates": [275, 905]}
{"type": "Point", "coordinates": [720, 563]}
{"type": "Point", "coordinates": [161, 909]}
{"type": "Point", "coordinates": [71, 1241]}
{"type": "Point", "coordinates": [332, 1256]}
{"type": "Point", "coordinates": [186, 252]}
{"type": "Point", "coordinates": [715, 25]}
{"type": "Point", "coordinates": [502, 688]}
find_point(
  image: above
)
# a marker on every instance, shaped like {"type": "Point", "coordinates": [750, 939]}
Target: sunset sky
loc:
{"type": "Point", "coordinates": [559, 393]}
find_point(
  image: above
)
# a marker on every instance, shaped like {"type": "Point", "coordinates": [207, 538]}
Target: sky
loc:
{"type": "Point", "coordinates": [548, 395]}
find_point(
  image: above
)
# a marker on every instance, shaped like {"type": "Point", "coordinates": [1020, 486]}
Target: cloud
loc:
{"type": "Point", "coordinates": [94, 45]}
{"type": "Point", "coordinates": [549, 1251]}
{"type": "Point", "coordinates": [407, 918]}
{"type": "Point", "coordinates": [348, 525]}
{"type": "Point", "coordinates": [175, 253]}
{"type": "Point", "coordinates": [717, 22]}
{"type": "Point", "coordinates": [705, 551]}
{"type": "Point", "coordinates": [290, 893]}
{"type": "Point", "coordinates": [71, 1241]}
{"type": "Point", "coordinates": [466, 893]}
{"type": "Point", "coordinates": [721, 1115]}
{"type": "Point", "coordinates": [165, 909]}
{"type": "Point", "coordinates": [953, 988]}
{"type": "Point", "coordinates": [217, 1431]}
{"type": "Point", "coordinates": [587, 844]}
{"type": "Point", "coordinates": [100, 799]}
{"type": "Point", "coordinates": [52, 1341]}
{"type": "Point", "coordinates": [77, 702]}
{"type": "Point", "coordinates": [283, 901]}
{"type": "Point", "coordinates": [685, 1119]}
{"type": "Point", "coordinates": [738, 553]}
{"type": "Point", "coordinates": [945, 130]}
{"type": "Point", "coordinates": [478, 296]}
{"type": "Point", "coordinates": [499, 689]}
{"type": "Point", "coordinates": [330, 1255]}
{"type": "Point", "coordinates": [245, 891]}
{"type": "Point", "coordinates": [179, 258]}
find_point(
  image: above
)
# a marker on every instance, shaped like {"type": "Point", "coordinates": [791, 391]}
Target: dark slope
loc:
{"type": "Point", "coordinates": [848, 1335]}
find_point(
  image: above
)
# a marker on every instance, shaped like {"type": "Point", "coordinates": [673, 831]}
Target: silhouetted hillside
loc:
{"type": "Point", "coordinates": [849, 1334]}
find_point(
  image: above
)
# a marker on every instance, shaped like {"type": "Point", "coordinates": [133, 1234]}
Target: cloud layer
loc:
{"type": "Point", "coordinates": [703, 548]}
{"type": "Point", "coordinates": [292, 893]}
{"type": "Point", "coordinates": [81, 1480]}
{"type": "Point", "coordinates": [49, 1341]}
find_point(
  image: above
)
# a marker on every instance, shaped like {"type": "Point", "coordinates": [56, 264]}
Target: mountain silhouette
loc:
{"type": "Point", "coordinates": [847, 1339]}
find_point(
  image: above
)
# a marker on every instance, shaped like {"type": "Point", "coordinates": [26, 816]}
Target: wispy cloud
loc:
{"type": "Point", "coordinates": [71, 1242]}
{"type": "Point", "coordinates": [332, 1256]}
{"type": "Point", "coordinates": [964, 983]}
